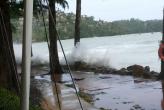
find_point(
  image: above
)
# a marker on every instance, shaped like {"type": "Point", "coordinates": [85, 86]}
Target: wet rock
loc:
{"type": "Point", "coordinates": [138, 81]}
{"type": "Point", "coordinates": [127, 102]}
{"type": "Point", "coordinates": [147, 69]}
{"type": "Point", "coordinates": [137, 107]}
{"type": "Point", "coordinates": [78, 79]}
{"type": "Point", "coordinates": [124, 102]}
{"type": "Point", "coordinates": [124, 71]}
{"type": "Point", "coordinates": [140, 71]}
{"type": "Point", "coordinates": [97, 98]}
{"type": "Point", "coordinates": [154, 73]}
{"type": "Point", "coordinates": [78, 65]}
{"type": "Point", "coordinates": [136, 70]}
{"type": "Point", "coordinates": [111, 71]}
{"type": "Point", "coordinates": [105, 77]}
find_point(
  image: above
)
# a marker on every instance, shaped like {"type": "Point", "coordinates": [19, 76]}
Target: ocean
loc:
{"type": "Point", "coordinates": [111, 51]}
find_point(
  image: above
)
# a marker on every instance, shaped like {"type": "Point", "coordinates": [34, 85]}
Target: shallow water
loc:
{"type": "Point", "coordinates": [118, 92]}
{"type": "Point", "coordinates": [123, 92]}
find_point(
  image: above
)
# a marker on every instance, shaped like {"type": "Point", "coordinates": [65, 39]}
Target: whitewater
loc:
{"type": "Point", "coordinates": [111, 51]}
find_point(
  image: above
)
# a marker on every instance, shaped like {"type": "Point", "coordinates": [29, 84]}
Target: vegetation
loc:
{"type": "Point", "coordinates": [10, 101]}
{"type": "Point", "coordinates": [89, 27]}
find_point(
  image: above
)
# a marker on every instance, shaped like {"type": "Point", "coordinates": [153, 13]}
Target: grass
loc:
{"type": "Point", "coordinates": [10, 101]}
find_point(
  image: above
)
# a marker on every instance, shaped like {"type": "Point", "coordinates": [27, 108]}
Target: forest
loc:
{"type": "Point", "coordinates": [89, 27]}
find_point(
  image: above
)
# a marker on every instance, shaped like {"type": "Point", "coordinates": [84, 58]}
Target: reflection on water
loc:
{"type": "Point", "coordinates": [111, 92]}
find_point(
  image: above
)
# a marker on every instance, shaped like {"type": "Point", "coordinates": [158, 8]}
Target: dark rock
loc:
{"type": "Point", "coordinates": [124, 71]}
{"type": "Point", "coordinates": [105, 77]}
{"type": "Point", "coordinates": [147, 69]}
{"type": "Point", "coordinates": [140, 71]}
{"type": "Point", "coordinates": [138, 81]}
{"type": "Point", "coordinates": [136, 70]}
{"type": "Point", "coordinates": [154, 73]}
{"type": "Point", "coordinates": [78, 79]}
{"type": "Point", "coordinates": [78, 65]}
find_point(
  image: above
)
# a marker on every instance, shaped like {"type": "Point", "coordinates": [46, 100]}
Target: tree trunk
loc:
{"type": "Point", "coordinates": [77, 22]}
{"type": "Point", "coordinates": [54, 59]}
{"type": "Point", "coordinates": [8, 70]}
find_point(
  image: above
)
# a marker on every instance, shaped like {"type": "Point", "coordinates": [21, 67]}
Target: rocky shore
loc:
{"type": "Point", "coordinates": [133, 70]}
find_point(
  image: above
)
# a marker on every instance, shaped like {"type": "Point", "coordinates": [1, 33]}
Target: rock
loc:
{"type": "Point", "coordinates": [124, 71]}
{"type": "Point", "coordinates": [138, 70]}
{"type": "Point", "coordinates": [147, 68]}
{"type": "Point", "coordinates": [135, 68]}
{"type": "Point", "coordinates": [79, 65]}
{"type": "Point", "coordinates": [78, 79]}
{"type": "Point", "coordinates": [105, 77]}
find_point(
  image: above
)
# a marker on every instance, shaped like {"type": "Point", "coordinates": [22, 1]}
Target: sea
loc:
{"type": "Point", "coordinates": [117, 52]}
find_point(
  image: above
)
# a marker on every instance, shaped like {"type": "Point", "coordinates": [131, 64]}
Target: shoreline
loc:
{"type": "Point", "coordinates": [133, 70]}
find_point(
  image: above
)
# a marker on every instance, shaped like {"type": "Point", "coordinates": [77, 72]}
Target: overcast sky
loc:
{"type": "Point", "coordinates": [110, 10]}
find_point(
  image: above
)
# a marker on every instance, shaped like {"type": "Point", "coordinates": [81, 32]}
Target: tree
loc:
{"type": "Point", "coordinates": [54, 58]}
{"type": "Point", "coordinates": [8, 70]}
{"type": "Point", "coordinates": [77, 22]}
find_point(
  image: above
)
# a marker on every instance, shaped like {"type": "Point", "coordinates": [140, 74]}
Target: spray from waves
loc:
{"type": "Point", "coordinates": [97, 57]}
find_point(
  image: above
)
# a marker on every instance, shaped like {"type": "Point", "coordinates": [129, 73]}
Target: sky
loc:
{"type": "Point", "coordinates": [111, 10]}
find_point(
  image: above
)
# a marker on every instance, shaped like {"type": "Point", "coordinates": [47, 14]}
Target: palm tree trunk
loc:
{"type": "Point", "coordinates": [8, 71]}
{"type": "Point", "coordinates": [54, 59]}
{"type": "Point", "coordinates": [77, 22]}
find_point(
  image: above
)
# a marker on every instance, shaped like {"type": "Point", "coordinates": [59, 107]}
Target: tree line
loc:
{"type": "Point", "coordinates": [90, 27]}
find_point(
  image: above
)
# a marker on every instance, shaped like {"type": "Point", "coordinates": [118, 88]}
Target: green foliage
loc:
{"type": "Point", "coordinates": [9, 101]}
{"type": "Point", "coordinates": [89, 27]}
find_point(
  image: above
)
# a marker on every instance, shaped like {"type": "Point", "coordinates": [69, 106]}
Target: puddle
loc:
{"type": "Point", "coordinates": [116, 92]}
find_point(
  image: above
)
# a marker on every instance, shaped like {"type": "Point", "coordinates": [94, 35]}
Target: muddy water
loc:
{"type": "Point", "coordinates": [116, 92]}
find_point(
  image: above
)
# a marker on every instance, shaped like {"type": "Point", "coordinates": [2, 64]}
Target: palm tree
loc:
{"type": "Point", "coordinates": [8, 71]}
{"type": "Point", "coordinates": [54, 58]}
{"type": "Point", "coordinates": [77, 22]}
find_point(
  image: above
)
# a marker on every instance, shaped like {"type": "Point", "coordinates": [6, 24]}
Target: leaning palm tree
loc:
{"type": "Point", "coordinates": [77, 22]}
